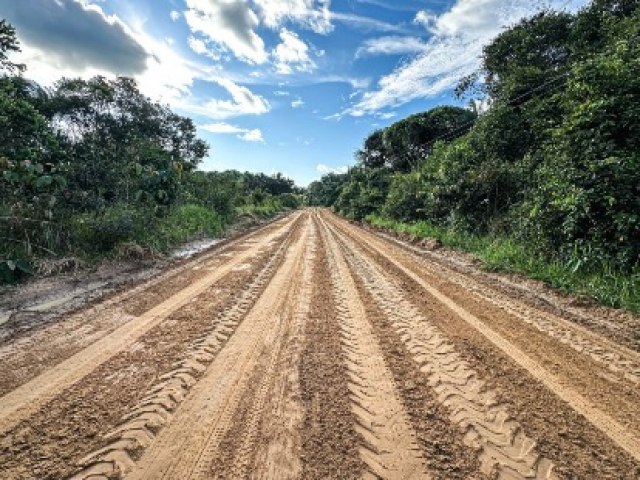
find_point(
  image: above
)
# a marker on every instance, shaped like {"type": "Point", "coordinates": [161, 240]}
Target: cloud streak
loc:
{"type": "Point", "coordinates": [392, 45]}
{"type": "Point", "coordinates": [453, 51]}
{"type": "Point", "coordinates": [244, 134]}
{"type": "Point", "coordinates": [367, 24]}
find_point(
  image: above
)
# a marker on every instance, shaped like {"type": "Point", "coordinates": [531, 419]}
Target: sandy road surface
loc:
{"type": "Point", "coordinates": [314, 349]}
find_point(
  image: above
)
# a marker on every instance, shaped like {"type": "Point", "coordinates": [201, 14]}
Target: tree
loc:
{"type": "Point", "coordinates": [410, 140]}
{"type": "Point", "coordinates": [406, 200]}
{"type": "Point", "coordinates": [32, 182]}
{"type": "Point", "coordinates": [587, 198]}
{"type": "Point", "coordinates": [364, 192]}
{"type": "Point", "coordinates": [123, 146]}
{"type": "Point", "coordinates": [373, 153]}
{"type": "Point", "coordinates": [325, 192]}
{"type": "Point", "coordinates": [8, 44]}
{"type": "Point", "coordinates": [527, 56]}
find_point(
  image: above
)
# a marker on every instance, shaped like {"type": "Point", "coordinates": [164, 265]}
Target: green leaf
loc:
{"type": "Point", "coordinates": [24, 266]}
{"type": "Point", "coordinates": [44, 181]}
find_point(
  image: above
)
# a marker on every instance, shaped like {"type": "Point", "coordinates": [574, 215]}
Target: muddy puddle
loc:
{"type": "Point", "coordinates": [41, 300]}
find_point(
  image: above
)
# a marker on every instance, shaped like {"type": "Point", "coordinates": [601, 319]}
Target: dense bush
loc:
{"type": "Point", "coordinates": [364, 192]}
{"type": "Point", "coordinates": [406, 199]}
{"type": "Point", "coordinates": [553, 165]}
{"type": "Point", "coordinates": [89, 165]}
{"type": "Point", "coordinates": [101, 232]}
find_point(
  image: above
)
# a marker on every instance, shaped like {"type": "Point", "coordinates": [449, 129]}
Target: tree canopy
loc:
{"type": "Point", "coordinates": [93, 163]}
{"type": "Point", "coordinates": [553, 162]}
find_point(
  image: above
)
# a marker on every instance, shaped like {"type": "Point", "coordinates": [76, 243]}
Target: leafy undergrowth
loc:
{"type": "Point", "coordinates": [604, 284]}
{"type": "Point", "coordinates": [123, 232]}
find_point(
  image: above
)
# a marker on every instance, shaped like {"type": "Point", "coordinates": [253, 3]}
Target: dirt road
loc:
{"type": "Point", "coordinates": [312, 348]}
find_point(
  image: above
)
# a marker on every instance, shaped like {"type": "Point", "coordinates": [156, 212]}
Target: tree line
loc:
{"type": "Point", "coordinates": [89, 165]}
{"type": "Point", "coordinates": [552, 161]}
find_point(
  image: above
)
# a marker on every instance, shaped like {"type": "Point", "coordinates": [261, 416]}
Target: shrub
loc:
{"type": "Point", "coordinates": [406, 199]}
{"type": "Point", "coordinates": [101, 232]}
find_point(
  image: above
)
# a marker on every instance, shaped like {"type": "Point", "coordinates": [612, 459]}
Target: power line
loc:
{"type": "Point", "coordinates": [467, 125]}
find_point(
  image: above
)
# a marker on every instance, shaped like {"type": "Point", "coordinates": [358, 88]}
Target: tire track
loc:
{"type": "Point", "coordinates": [390, 450]}
{"type": "Point", "coordinates": [141, 424]}
{"type": "Point", "coordinates": [505, 452]}
{"type": "Point", "coordinates": [77, 330]}
{"type": "Point", "coordinates": [330, 444]}
{"type": "Point", "coordinates": [619, 359]}
{"type": "Point", "coordinates": [610, 427]}
{"type": "Point", "coordinates": [29, 397]}
{"type": "Point", "coordinates": [265, 439]}
{"type": "Point", "coordinates": [185, 448]}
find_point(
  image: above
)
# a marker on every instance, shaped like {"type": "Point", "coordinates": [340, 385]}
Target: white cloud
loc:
{"type": "Point", "coordinates": [324, 169]}
{"type": "Point", "coordinates": [453, 51]}
{"type": "Point", "coordinates": [200, 47]}
{"type": "Point", "coordinates": [167, 76]}
{"type": "Point", "coordinates": [197, 45]}
{"type": "Point", "coordinates": [392, 45]}
{"type": "Point", "coordinates": [297, 103]}
{"type": "Point", "coordinates": [230, 24]}
{"type": "Point", "coordinates": [243, 102]}
{"type": "Point", "coordinates": [252, 136]}
{"type": "Point", "coordinates": [312, 14]}
{"type": "Point", "coordinates": [175, 15]}
{"type": "Point", "coordinates": [281, 93]}
{"type": "Point", "coordinates": [292, 54]}
{"type": "Point", "coordinates": [222, 127]}
{"type": "Point", "coordinates": [366, 23]}
{"type": "Point", "coordinates": [244, 134]}
{"type": "Point", "coordinates": [76, 36]}
{"type": "Point", "coordinates": [425, 18]}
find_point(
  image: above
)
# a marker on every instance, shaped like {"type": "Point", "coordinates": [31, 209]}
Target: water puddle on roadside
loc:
{"type": "Point", "coordinates": [193, 248]}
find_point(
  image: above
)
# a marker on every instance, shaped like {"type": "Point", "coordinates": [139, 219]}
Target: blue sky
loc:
{"type": "Point", "coordinates": [274, 85]}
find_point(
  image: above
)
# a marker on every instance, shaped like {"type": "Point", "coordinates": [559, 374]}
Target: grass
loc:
{"type": "Point", "coordinates": [97, 236]}
{"type": "Point", "coordinates": [604, 284]}
{"type": "Point", "coordinates": [266, 209]}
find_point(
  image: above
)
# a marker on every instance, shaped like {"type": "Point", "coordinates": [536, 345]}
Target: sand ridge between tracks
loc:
{"type": "Point", "coordinates": [502, 444]}
{"type": "Point", "coordinates": [314, 349]}
{"type": "Point", "coordinates": [617, 432]}
{"type": "Point", "coordinates": [25, 399]}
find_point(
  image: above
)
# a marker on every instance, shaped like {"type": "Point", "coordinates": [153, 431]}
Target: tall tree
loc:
{"type": "Point", "coordinates": [8, 44]}
{"type": "Point", "coordinates": [408, 141]}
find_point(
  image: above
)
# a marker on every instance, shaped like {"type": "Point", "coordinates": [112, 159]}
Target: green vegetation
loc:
{"type": "Point", "coordinates": [606, 285]}
{"type": "Point", "coordinates": [546, 181]}
{"type": "Point", "coordinates": [90, 167]}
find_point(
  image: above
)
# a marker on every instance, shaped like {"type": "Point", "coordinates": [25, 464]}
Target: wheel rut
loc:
{"type": "Point", "coordinates": [600, 419]}
{"type": "Point", "coordinates": [504, 450]}
{"type": "Point", "coordinates": [264, 440]}
{"type": "Point", "coordinates": [78, 330]}
{"type": "Point", "coordinates": [186, 447]}
{"type": "Point", "coordinates": [139, 427]}
{"type": "Point", "coordinates": [26, 399]}
{"type": "Point", "coordinates": [617, 358]}
{"type": "Point", "coordinates": [390, 450]}
{"type": "Point", "coordinates": [330, 443]}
